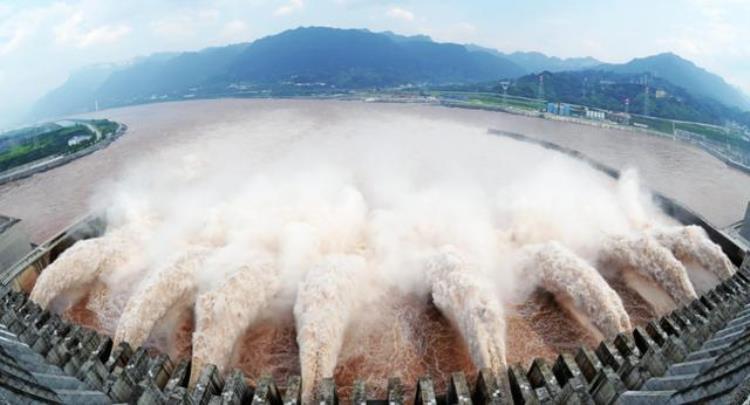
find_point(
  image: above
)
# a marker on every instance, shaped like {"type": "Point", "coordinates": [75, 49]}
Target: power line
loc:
{"type": "Point", "coordinates": [646, 105]}
{"type": "Point", "coordinates": [541, 87]}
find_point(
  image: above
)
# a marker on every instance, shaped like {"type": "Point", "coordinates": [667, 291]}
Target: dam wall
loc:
{"type": "Point", "coordinates": [670, 206]}
{"type": "Point", "coordinates": [698, 353]}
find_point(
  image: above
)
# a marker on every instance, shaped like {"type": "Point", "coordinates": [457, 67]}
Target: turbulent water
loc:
{"type": "Point", "coordinates": [572, 279]}
{"type": "Point", "coordinates": [357, 241]}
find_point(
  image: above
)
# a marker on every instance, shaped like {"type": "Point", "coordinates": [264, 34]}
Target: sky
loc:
{"type": "Point", "coordinates": [42, 41]}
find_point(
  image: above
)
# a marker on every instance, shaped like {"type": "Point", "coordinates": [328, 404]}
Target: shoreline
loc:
{"type": "Point", "coordinates": [50, 163]}
{"type": "Point", "coordinates": [386, 98]}
{"type": "Point", "coordinates": [671, 206]}
{"type": "Point", "coordinates": [604, 125]}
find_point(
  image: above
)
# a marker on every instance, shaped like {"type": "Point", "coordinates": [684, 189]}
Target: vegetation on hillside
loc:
{"type": "Point", "coordinates": [27, 145]}
{"type": "Point", "coordinates": [329, 61]}
{"type": "Point", "coordinates": [609, 91]}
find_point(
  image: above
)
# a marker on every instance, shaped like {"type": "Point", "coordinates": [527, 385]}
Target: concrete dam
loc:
{"type": "Point", "coordinates": [691, 353]}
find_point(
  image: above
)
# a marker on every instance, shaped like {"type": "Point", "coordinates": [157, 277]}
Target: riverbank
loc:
{"type": "Point", "coordinates": [52, 162]}
{"type": "Point", "coordinates": [671, 207]}
{"type": "Point", "coordinates": [599, 124]}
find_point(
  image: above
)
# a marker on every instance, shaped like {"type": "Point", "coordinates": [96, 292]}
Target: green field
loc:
{"type": "Point", "coordinates": [491, 100]}
{"type": "Point", "coordinates": [711, 132]}
{"type": "Point", "coordinates": [656, 124]}
{"type": "Point", "coordinates": [26, 145]}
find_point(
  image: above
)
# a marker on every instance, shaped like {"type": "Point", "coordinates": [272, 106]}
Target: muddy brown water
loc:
{"type": "Point", "coordinates": [50, 201]}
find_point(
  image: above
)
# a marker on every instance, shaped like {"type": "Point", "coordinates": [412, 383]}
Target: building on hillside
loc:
{"type": "Point", "coordinates": [559, 109]}
{"type": "Point", "coordinates": [595, 114]}
{"type": "Point", "coordinates": [78, 139]}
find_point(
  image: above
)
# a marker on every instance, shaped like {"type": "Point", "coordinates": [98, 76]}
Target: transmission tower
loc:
{"type": "Point", "coordinates": [541, 87]}
{"type": "Point", "coordinates": [505, 84]}
{"type": "Point", "coordinates": [585, 86]}
{"type": "Point", "coordinates": [645, 96]}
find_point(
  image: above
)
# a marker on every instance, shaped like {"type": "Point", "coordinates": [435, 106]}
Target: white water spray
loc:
{"type": "Point", "coordinates": [463, 296]}
{"type": "Point", "coordinates": [170, 287]}
{"type": "Point", "coordinates": [325, 303]}
{"type": "Point", "coordinates": [329, 205]}
{"type": "Point", "coordinates": [644, 255]}
{"type": "Point", "coordinates": [570, 278]}
{"type": "Point", "coordinates": [80, 265]}
{"type": "Point", "coordinates": [224, 313]}
{"type": "Point", "coordinates": [691, 244]}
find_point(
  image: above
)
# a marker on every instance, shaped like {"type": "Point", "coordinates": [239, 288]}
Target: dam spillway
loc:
{"type": "Point", "coordinates": [694, 353]}
{"type": "Point", "coordinates": [558, 317]}
{"type": "Point", "coordinates": [652, 362]}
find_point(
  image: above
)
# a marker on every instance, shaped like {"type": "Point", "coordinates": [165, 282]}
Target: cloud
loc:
{"type": "Point", "coordinates": [400, 14]}
{"type": "Point", "coordinates": [19, 25]}
{"type": "Point", "coordinates": [235, 30]}
{"type": "Point", "coordinates": [184, 24]}
{"type": "Point", "coordinates": [10, 40]}
{"type": "Point", "coordinates": [104, 34]}
{"type": "Point", "coordinates": [292, 6]}
{"type": "Point", "coordinates": [72, 31]}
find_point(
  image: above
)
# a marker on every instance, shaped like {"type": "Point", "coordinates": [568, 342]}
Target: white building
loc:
{"type": "Point", "coordinates": [595, 115]}
{"type": "Point", "coordinates": [78, 139]}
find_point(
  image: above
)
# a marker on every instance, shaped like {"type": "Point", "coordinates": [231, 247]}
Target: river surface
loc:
{"type": "Point", "coordinates": [48, 202]}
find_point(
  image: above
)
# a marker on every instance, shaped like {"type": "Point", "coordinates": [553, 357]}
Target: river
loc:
{"type": "Point", "coordinates": [49, 201]}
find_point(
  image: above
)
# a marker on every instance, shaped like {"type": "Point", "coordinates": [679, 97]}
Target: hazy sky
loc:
{"type": "Point", "coordinates": [42, 41]}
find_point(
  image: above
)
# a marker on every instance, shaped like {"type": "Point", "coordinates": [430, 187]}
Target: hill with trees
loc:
{"type": "Point", "coordinates": [609, 90]}
{"type": "Point", "coordinates": [330, 61]}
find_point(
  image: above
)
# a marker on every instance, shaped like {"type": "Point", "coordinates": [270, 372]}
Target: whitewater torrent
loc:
{"type": "Point", "coordinates": [269, 220]}
{"type": "Point", "coordinates": [692, 244]}
{"type": "Point", "coordinates": [570, 278]}
{"type": "Point", "coordinates": [646, 256]}
{"type": "Point", "coordinates": [173, 286]}
{"type": "Point", "coordinates": [325, 302]}
{"type": "Point", "coordinates": [223, 314]}
{"type": "Point", "coordinates": [82, 264]}
{"type": "Point", "coordinates": [462, 295]}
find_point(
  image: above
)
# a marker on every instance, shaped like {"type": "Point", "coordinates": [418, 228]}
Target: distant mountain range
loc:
{"type": "Point", "coordinates": [316, 59]}
{"type": "Point", "coordinates": [537, 62]}
{"type": "Point", "coordinates": [685, 74]}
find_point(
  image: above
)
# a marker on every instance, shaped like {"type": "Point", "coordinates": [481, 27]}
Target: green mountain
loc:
{"type": "Point", "coordinates": [326, 59]}
{"type": "Point", "coordinates": [536, 62]}
{"type": "Point", "coordinates": [685, 74]}
{"type": "Point", "coordinates": [78, 91]}
{"type": "Point", "coordinates": [317, 60]}
{"type": "Point", "coordinates": [609, 90]}
{"type": "Point", "coordinates": [361, 59]}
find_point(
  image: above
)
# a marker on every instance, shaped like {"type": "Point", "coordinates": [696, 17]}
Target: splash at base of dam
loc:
{"type": "Point", "coordinates": [461, 310]}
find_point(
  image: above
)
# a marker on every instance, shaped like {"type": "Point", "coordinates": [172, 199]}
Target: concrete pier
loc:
{"type": "Point", "coordinates": [698, 353]}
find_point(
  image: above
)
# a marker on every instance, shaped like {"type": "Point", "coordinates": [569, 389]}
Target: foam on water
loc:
{"type": "Point", "coordinates": [320, 220]}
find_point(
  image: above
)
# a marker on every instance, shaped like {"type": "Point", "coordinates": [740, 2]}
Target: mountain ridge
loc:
{"type": "Point", "coordinates": [334, 59]}
{"type": "Point", "coordinates": [684, 73]}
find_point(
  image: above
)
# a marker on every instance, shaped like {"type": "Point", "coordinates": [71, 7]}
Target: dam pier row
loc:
{"type": "Point", "coordinates": [697, 353]}
{"type": "Point", "coordinates": [700, 352]}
